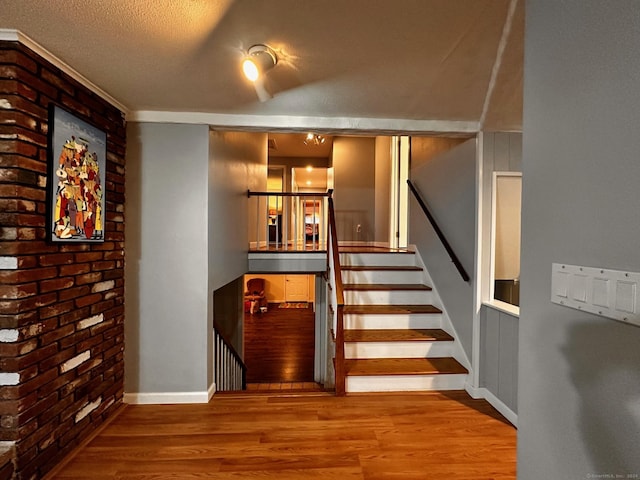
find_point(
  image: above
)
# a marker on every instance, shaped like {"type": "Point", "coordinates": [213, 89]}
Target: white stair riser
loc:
{"type": "Point", "coordinates": [358, 321]}
{"type": "Point", "coordinates": [382, 276]}
{"type": "Point", "coordinates": [378, 259]}
{"type": "Point", "coordinates": [397, 349]}
{"type": "Point", "coordinates": [405, 383]}
{"type": "Point", "coordinates": [388, 297]}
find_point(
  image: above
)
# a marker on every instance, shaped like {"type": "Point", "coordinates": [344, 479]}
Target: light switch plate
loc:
{"type": "Point", "coordinates": [605, 292]}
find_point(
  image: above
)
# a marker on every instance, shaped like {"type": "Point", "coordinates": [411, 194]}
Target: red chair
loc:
{"type": "Point", "coordinates": [255, 295]}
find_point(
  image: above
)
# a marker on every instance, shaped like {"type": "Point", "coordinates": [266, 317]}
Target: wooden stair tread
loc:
{"type": "Point", "coordinates": [361, 287]}
{"type": "Point", "coordinates": [383, 268]}
{"type": "Point", "coordinates": [393, 335]}
{"type": "Point", "coordinates": [403, 366]}
{"type": "Point", "coordinates": [390, 309]}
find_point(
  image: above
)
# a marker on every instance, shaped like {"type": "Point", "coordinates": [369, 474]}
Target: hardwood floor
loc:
{"type": "Point", "coordinates": [431, 436]}
{"type": "Point", "coordinates": [279, 345]}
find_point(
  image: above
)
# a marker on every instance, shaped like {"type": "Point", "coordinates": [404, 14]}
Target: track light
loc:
{"type": "Point", "coordinates": [314, 139]}
{"type": "Point", "coordinates": [258, 61]}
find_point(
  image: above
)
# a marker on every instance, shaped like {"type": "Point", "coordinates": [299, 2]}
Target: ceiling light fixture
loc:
{"type": "Point", "coordinates": [314, 139]}
{"type": "Point", "coordinates": [258, 60]}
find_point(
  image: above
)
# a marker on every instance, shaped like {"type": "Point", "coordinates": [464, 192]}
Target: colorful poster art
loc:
{"type": "Point", "coordinates": [77, 169]}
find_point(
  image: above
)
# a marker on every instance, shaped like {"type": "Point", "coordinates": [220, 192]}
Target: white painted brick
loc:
{"type": "Point", "coordinates": [75, 361]}
{"type": "Point", "coordinates": [91, 321]}
{"type": "Point", "coordinates": [103, 286]}
{"type": "Point", "coordinates": [9, 378]}
{"type": "Point", "coordinates": [88, 408]}
{"type": "Point", "coordinates": [9, 335]}
{"type": "Point", "coordinates": [8, 263]}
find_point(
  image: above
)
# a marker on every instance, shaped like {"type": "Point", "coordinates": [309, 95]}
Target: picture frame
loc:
{"type": "Point", "coordinates": [76, 196]}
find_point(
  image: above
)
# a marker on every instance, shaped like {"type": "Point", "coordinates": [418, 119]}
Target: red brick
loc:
{"type": "Point", "coordinates": [98, 266]}
{"type": "Point", "coordinates": [88, 278]}
{"type": "Point", "coordinates": [75, 269]}
{"type": "Point", "coordinates": [25, 248]}
{"type": "Point", "coordinates": [55, 310]}
{"type": "Point", "coordinates": [88, 300]}
{"type": "Point", "coordinates": [56, 284]}
{"type": "Point", "coordinates": [26, 304]}
{"type": "Point", "coordinates": [15, 364]}
{"type": "Point", "coordinates": [74, 247]}
{"type": "Point", "coordinates": [75, 339]}
{"type": "Point", "coordinates": [74, 316]}
{"type": "Point", "coordinates": [88, 257]}
{"type": "Point", "coordinates": [23, 162]}
{"type": "Point", "coordinates": [17, 320]}
{"type": "Point", "coordinates": [57, 81]}
{"type": "Point", "coordinates": [11, 292]}
{"type": "Point", "coordinates": [55, 259]}
{"type": "Point", "coordinates": [101, 307]}
{"type": "Point", "coordinates": [16, 349]}
{"type": "Point", "coordinates": [31, 275]}
{"type": "Point", "coordinates": [30, 386]}
{"type": "Point", "coordinates": [57, 359]}
{"type": "Point", "coordinates": [73, 293]}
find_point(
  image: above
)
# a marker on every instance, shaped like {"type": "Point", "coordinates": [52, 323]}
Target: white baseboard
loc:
{"type": "Point", "coordinates": [169, 397]}
{"type": "Point", "coordinates": [495, 402]}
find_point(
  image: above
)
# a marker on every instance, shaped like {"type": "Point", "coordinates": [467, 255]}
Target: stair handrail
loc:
{"type": "Point", "coordinates": [333, 257]}
{"type": "Point", "coordinates": [238, 381]}
{"type": "Point", "coordinates": [436, 228]}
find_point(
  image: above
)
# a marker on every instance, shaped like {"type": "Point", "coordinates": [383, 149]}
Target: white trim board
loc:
{"type": "Point", "coordinates": [12, 35]}
{"type": "Point", "coordinates": [163, 398]}
{"type": "Point", "coordinates": [495, 402]}
{"type": "Point", "coordinates": [296, 123]}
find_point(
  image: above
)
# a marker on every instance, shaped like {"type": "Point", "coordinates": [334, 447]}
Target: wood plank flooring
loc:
{"type": "Point", "coordinates": [279, 345]}
{"type": "Point", "coordinates": [431, 436]}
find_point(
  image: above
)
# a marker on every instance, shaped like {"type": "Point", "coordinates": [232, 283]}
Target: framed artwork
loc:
{"type": "Point", "coordinates": [75, 183]}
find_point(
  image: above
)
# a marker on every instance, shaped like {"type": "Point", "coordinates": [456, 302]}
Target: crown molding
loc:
{"type": "Point", "coordinates": [12, 35]}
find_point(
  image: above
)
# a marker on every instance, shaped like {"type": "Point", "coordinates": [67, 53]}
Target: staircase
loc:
{"type": "Point", "coordinates": [394, 335]}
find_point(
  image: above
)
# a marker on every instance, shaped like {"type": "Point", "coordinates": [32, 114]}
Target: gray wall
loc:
{"type": "Point", "coordinates": [237, 163]}
{"type": "Point", "coordinates": [579, 382]}
{"type": "Point", "coordinates": [354, 197]}
{"type": "Point", "coordinates": [166, 268]}
{"type": "Point", "coordinates": [447, 183]}
{"type": "Point", "coordinates": [499, 355]}
{"type": "Point", "coordinates": [382, 188]}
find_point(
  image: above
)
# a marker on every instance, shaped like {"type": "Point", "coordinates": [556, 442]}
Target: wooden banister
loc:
{"type": "Point", "coordinates": [339, 312]}
{"type": "Point", "coordinates": [436, 228]}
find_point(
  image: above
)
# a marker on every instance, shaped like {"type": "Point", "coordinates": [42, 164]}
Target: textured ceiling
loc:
{"type": "Point", "coordinates": [409, 59]}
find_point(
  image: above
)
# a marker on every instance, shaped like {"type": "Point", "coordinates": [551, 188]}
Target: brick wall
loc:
{"type": "Point", "coordinates": [61, 305]}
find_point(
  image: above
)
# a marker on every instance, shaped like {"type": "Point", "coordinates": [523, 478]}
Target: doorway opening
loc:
{"type": "Point", "coordinates": [279, 340]}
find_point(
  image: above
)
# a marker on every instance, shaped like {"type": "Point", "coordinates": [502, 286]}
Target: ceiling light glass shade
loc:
{"type": "Point", "coordinates": [259, 59]}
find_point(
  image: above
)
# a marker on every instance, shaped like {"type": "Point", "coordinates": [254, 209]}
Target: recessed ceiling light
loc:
{"type": "Point", "coordinates": [309, 168]}
{"type": "Point", "coordinates": [308, 182]}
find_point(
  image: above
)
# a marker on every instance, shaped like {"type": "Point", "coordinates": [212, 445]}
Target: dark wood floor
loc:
{"type": "Point", "coordinates": [434, 436]}
{"type": "Point", "coordinates": [279, 345]}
